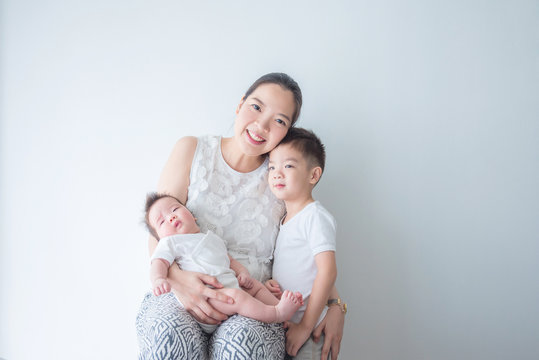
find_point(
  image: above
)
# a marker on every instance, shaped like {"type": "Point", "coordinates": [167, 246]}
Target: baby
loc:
{"type": "Point", "coordinates": [180, 240]}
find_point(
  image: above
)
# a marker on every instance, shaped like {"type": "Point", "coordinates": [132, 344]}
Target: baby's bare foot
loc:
{"type": "Point", "coordinates": [287, 306]}
{"type": "Point", "coordinates": [299, 297]}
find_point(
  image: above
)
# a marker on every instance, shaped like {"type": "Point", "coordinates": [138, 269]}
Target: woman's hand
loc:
{"type": "Point", "coordinates": [274, 287]}
{"type": "Point", "coordinates": [190, 288]}
{"type": "Point", "coordinates": [332, 326]}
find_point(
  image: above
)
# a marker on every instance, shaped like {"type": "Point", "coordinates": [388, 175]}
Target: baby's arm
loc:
{"type": "Point", "coordinates": [274, 287]}
{"type": "Point", "coordinates": [326, 275]}
{"type": "Point", "coordinates": [158, 276]}
{"type": "Point", "coordinates": [244, 278]}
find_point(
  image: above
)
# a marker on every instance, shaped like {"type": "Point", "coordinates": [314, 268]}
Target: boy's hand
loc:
{"type": "Point", "coordinates": [160, 286]}
{"type": "Point", "coordinates": [245, 280]}
{"type": "Point", "coordinates": [274, 288]}
{"type": "Point", "coordinates": [296, 337]}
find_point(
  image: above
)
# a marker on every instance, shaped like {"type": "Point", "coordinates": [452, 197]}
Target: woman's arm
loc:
{"type": "Point", "coordinates": [189, 287]}
{"type": "Point", "coordinates": [332, 326]}
{"type": "Point", "coordinates": [323, 283]}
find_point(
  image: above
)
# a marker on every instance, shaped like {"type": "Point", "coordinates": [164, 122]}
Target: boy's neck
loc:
{"type": "Point", "coordinates": [293, 207]}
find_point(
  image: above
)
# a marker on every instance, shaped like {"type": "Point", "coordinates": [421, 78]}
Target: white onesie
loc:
{"type": "Point", "coordinates": [204, 253]}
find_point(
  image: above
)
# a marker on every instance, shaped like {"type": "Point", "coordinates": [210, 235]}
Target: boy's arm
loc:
{"type": "Point", "coordinates": [244, 278]}
{"type": "Point", "coordinates": [322, 287]}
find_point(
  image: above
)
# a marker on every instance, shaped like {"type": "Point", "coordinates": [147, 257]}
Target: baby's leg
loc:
{"type": "Point", "coordinates": [246, 305]}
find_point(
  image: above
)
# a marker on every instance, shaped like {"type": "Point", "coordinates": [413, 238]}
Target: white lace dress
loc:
{"type": "Point", "coordinates": [240, 208]}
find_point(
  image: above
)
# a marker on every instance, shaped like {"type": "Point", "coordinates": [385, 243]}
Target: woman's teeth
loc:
{"type": "Point", "coordinates": [254, 136]}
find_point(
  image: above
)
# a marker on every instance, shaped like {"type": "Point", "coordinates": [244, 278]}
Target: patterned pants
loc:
{"type": "Point", "coordinates": [166, 331]}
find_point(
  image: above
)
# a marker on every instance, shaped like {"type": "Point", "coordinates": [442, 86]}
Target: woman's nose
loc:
{"type": "Point", "coordinates": [263, 123]}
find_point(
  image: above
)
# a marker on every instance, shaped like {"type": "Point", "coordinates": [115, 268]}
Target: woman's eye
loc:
{"type": "Point", "coordinates": [280, 121]}
{"type": "Point", "coordinates": [256, 107]}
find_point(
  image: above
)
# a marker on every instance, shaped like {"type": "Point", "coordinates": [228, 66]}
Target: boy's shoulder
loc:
{"type": "Point", "coordinates": [317, 211]}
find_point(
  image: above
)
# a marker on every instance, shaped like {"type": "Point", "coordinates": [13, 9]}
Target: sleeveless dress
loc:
{"type": "Point", "coordinates": [240, 208]}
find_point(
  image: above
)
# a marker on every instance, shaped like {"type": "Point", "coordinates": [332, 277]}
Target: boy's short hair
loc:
{"type": "Point", "coordinates": [151, 199]}
{"type": "Point", "coordinates": [308, 144]}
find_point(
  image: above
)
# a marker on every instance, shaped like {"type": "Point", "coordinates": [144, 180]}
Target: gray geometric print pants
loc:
{"type": "Point", "coordinates": [165, 330]}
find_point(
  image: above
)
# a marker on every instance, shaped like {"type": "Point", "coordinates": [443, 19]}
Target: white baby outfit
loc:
{"type": "Point", "coordinates": [204, 253]}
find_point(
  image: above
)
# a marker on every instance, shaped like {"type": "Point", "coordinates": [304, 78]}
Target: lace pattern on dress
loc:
{"type": "Point", "coordinates": [239, 207]}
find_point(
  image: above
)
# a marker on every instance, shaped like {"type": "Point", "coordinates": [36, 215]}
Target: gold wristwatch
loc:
{"type": "Point", "coordinates": [339, 303]}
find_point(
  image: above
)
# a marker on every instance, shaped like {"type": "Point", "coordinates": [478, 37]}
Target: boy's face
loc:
{"type": "Point", "coordinates": [290, 177]}
{"type": "Point", "coordinates": [168, 217]}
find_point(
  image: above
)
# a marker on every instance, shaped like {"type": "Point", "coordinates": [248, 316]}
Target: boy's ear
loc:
{"type": "Point", "coordinates": [240, 104]}
{"type": "Point", "coordinates": [316, 172]}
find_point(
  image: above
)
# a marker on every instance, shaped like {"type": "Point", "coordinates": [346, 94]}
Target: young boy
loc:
{"type": "Point", "coordinates": [304, 256]}
{"type": "Point", "coordinates": [180, 240]}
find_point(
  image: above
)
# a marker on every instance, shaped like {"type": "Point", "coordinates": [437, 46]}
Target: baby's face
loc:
{"type": "Point", "coordinates": [168, 217]}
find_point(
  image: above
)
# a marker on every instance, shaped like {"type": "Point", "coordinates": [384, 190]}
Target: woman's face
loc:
{"type": "Point", "coordinates": [263, 119]}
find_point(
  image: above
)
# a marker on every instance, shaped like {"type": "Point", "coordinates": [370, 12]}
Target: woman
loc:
{"type": "Point", "coordinates": [223, 182]}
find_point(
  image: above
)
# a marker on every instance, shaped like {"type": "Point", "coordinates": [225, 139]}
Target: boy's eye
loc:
{"type": "Point", "coordinates": [256, 107]}
{"type": "Point", "coordinates": [288, 166]}
{"type": "Point", "coordinates": [271, 168]}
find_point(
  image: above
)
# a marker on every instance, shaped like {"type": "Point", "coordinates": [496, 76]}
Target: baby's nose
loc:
{"type": "Point", "coordinates": [172, 218]}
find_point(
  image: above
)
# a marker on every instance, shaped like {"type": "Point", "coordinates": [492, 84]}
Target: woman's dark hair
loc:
{"type": "Point", "coordinates": [287, 83]}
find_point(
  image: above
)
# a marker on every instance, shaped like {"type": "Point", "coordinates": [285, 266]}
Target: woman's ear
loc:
{"type": "Point", "coordinates": [316, 173]}
{"type": "Point", "coordinates": [240, 104]}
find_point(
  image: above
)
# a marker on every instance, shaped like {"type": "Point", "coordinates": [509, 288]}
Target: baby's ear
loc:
{"type": "Point", "coordinates": [316, 173]}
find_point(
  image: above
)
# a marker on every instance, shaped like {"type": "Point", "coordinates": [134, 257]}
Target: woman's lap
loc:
{"type": "Point", "coordinates": [166, 331]}
{"type": "Point", "coordinates": [244, 338]}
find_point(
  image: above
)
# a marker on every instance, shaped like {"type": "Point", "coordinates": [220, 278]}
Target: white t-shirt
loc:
{"type": "Point", "coordinates": [308, 233]}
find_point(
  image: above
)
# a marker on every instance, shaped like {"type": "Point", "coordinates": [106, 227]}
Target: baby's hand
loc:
{"type": "Point", "coordinates": [245, 280]}
{"type": "Point", "coordinates": [274, 288]}
{"type": "Point", "coordinates": [161, 286]}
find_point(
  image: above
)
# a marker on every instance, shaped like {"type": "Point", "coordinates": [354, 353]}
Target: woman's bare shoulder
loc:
{"type": "Point", "coordinates": [174, 178]}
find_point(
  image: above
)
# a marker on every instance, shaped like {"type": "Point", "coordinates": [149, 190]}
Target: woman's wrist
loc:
{"type": "Point", "coordinates": [337, 302]}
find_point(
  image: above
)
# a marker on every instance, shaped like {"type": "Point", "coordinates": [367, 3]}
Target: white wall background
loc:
{"type": "Point", "coordinates": [430, 114]}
